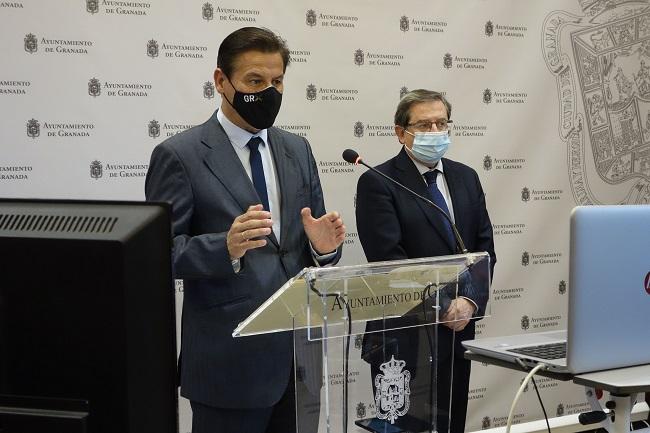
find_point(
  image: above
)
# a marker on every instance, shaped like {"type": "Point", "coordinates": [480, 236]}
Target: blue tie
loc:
{"type": "Point", "coordinates": [257, 170]}
{"type": "Point", "coordinates": [438, 199]}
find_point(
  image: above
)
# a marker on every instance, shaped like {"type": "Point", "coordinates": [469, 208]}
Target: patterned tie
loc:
{"type": "Point", "coordinates": [438, 199]}
{"type": "Point", "coordinates": [257, 170]}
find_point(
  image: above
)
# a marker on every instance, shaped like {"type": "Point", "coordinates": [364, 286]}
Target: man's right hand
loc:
{"type": "Point", "coordinates": [255, 223]}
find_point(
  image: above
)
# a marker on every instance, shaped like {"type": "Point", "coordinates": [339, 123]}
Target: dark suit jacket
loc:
{"type": "Point", "coordinates": [199, 172]}
{"type": "Point", "coordinates": [393, 224]}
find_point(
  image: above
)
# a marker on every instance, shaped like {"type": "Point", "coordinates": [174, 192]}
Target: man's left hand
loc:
{"type": "Point", "coordinates": [325, 233]}
{"type": "Point", "coordinates": [458, 315]}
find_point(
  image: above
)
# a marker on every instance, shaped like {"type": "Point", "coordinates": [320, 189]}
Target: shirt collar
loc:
{"type": "Point", "coordinates": [423, 168]}
{"type": "Point", "coordinates": [238, 137]}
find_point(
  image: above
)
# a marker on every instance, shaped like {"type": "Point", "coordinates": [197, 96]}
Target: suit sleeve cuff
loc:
{"type": "Point", "coordinates": [322, 259]}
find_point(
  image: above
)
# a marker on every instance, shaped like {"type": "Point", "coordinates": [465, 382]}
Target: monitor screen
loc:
{"type": "Point", "coordinates": [87, 316]}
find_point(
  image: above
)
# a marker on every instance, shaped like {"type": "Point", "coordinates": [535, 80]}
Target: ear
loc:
{"type": "Point", "coordinates": [219, 79]}
{"type": "Point", "coordinates": [399, 131]}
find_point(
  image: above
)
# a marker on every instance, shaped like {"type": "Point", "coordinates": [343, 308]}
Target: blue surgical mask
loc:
{"type": "Point", "coordinates": [429, 147]}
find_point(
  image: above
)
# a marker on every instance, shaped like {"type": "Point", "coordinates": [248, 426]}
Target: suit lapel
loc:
{"type": "Point", "coordinates": [410, 177]}
{"type": "Point", "coordinates": [287, 178]}
{"type": "Point", "coordinates": [455, 187]}
{"type": "Point", "coordinates": [222, 160]}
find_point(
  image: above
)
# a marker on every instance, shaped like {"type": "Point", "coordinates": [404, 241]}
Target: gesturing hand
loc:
{"type": "Point", "coordinates": [255, 223]}
{"type": "Point", "coordinates": [325, 233]}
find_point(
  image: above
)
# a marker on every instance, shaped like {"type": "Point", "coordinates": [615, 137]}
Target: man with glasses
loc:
{"type": "Point", "coordinates": [394, 225]}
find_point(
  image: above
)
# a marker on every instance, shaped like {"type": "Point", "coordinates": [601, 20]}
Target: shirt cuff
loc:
{"type": "Point", "coordinates": [472, 302]}
{"type": "Point", "coordinates": [322, 259]}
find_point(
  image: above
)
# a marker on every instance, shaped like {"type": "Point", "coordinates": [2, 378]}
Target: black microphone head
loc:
{"type": "Point", "coordinates": [350, 156]}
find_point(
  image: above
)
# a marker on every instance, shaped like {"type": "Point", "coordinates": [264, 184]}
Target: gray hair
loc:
{"type": "Point", "coordinates": [417, 96]}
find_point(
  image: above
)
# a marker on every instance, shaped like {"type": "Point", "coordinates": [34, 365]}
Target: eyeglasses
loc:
{"type": "Point", "coordinates": [427, 125]}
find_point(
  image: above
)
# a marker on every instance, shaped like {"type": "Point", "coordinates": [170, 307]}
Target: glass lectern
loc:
{"type": "Point", "coordinates": [369, 341]}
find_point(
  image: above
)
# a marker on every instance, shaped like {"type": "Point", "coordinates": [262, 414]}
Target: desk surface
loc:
{"type": "Point", "coordinates": [622, 381]}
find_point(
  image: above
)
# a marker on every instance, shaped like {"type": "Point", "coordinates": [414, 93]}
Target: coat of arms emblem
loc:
{"type": "Point", "coordinates": [560, 410]}
{"type": "Point", "coordinates": [404, 23]}
{"type": "Point", "coordinates": [33, 128]}
{"type": "Point", "coordinates": [485, 423]}
{"type": "Point", "coordinates": [525, 322]}
{"type": "Point", "coordinates": [361, 410]}
{"type": "Point", "coordinates": [447, 61]}
{"type": "Point", "coordinates": [208, 90]}
{"type": "Point", "coordinates": [311, 92]}
{"type": "Point", "coordinates": [154, 129]}
{"type": "Point", "coordinates": [31, 43]}
{"type": "Point", "coordinates": [525, 194]}
{"type": "Point", "coordinates": [487, 96]}
{"type": "Point", "coordinates": [601, 62]}
{"type": "Point", "coordinates": [561, 288]}
{"type": "Point", "coordinates": [489, 28]}
{"type": "Point", "coordinates": [94, 87]}
{"type": "Point", "coordinates": [96, 169]}
{"type": "Point", "coordinates": [358, 129]}
{"type": "Point", "coordinates": [525, 258]}
{"type": "Point", "coordinates": [310, 18]}
{"type": "Point", "coordinates": [358, 57]}
{"type": "Point", "coordinates": [487, 163]}
{"type": "Point", "coordinates": [403, 91]}
{"type": "Point", "coordinates": [207, 12]}
{"type": "Point", "coordinates": [358, 340]}
{"type": "Point", "coordinates": [393, 393]}
{"type": "Point", "coordinates": [92, 6]}
{"type": "Point", "coordinates": [152, 49]}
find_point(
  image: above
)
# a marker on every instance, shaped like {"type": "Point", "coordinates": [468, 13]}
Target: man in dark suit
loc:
{"type": "Point", "coordinates": [393, 225]}
{"type": "Point", "coordinates": [248, 214]}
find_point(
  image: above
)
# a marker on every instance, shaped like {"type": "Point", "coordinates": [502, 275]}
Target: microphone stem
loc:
{"type": "Point", "coordinates": [459, 241]}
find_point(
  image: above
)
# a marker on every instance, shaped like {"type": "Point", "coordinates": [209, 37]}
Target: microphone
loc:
{"type": "Point", "coordinates": [353, 157]}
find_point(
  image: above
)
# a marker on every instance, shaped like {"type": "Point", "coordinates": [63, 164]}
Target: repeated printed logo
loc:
{"type": "Point", "coordinates": [234, 14]}
{"type": "Point", "coordinates": [154, 129]}
{"type": "Point", "coordinates": [560, 410]}
{"type": "Point", "coordinates": [330, 20]}
{"type": "Point", "coordinates": [525, 258]}
{"type": "Point", "coordinates": [487, 163]}
{"type": "Point", "coordinates": [358, 57]}
{"type": "Point", "coordinates": [489, 29]}
{"type": "Point", "coordinates": [361, 410]}
{"type": "Point", "coordinates": [525, 194]}
{"type": "Point", "coordinates": [152, 48]}
{"type": "Point", "coordinates": [358, 341]}
{"type": "Point", "coordinates": [358, 129]}
{"type": "Point", "coordinates": [94, 87]}
{"type": "Point", "coordinates": [208, 90]}
{"type": "Point", "coordinates": [311, 92]}
{"type": "Point", "coordinates": [485, 423]}
{"type": "Point", "coordinates": [96, 169]}
{"type": "Point", "coordinates": [525, 322]}
{"type": "Point", "coordinates": [92, 6]}
{"type": "Point", "coordinates": [310, 18]}
{"type": "Point", "coordinates": [487, 96]}
{"type": "Point", "coordinates": [447, 61]}
{"type": "Point", "coordinates": [33, 128]}
{"type": "Point", "coordinates": [561, 287]}
{"type": "Point", "coordinates": [31, 43]}
{"type": "Point", "coordinates": [404, 23]}
{"type": "Point", "coordinates": [403, 91]}
{"type": "Point", "coordinates": [207, 12]}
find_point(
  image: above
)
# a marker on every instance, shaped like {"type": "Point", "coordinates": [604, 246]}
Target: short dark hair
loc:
{"type": "Point", "coordinates": [402, 114]}
{"type": "Point", "coordinates": [250, 39]}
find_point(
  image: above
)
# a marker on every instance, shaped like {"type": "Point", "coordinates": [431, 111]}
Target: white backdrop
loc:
{"type": "Point", "coordinates": [551, 106]}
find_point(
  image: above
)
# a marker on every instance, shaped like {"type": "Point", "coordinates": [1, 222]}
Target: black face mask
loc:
{"type": "Point", "coordinates": [258, 109]}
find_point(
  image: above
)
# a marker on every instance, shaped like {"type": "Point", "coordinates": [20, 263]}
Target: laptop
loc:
{"type": "Point", "coordinates": [609, 298]}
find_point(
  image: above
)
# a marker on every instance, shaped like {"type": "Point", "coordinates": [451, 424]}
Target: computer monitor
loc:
{"type": "Point", "coordinates": [87, 318]}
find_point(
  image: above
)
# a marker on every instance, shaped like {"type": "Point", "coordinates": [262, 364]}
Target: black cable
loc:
{"type": "Point", "coordinates": [539, 397]}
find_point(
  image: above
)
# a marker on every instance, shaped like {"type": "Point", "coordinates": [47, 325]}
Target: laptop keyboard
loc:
{"type": "Point", "coordinates": [544, 351]}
